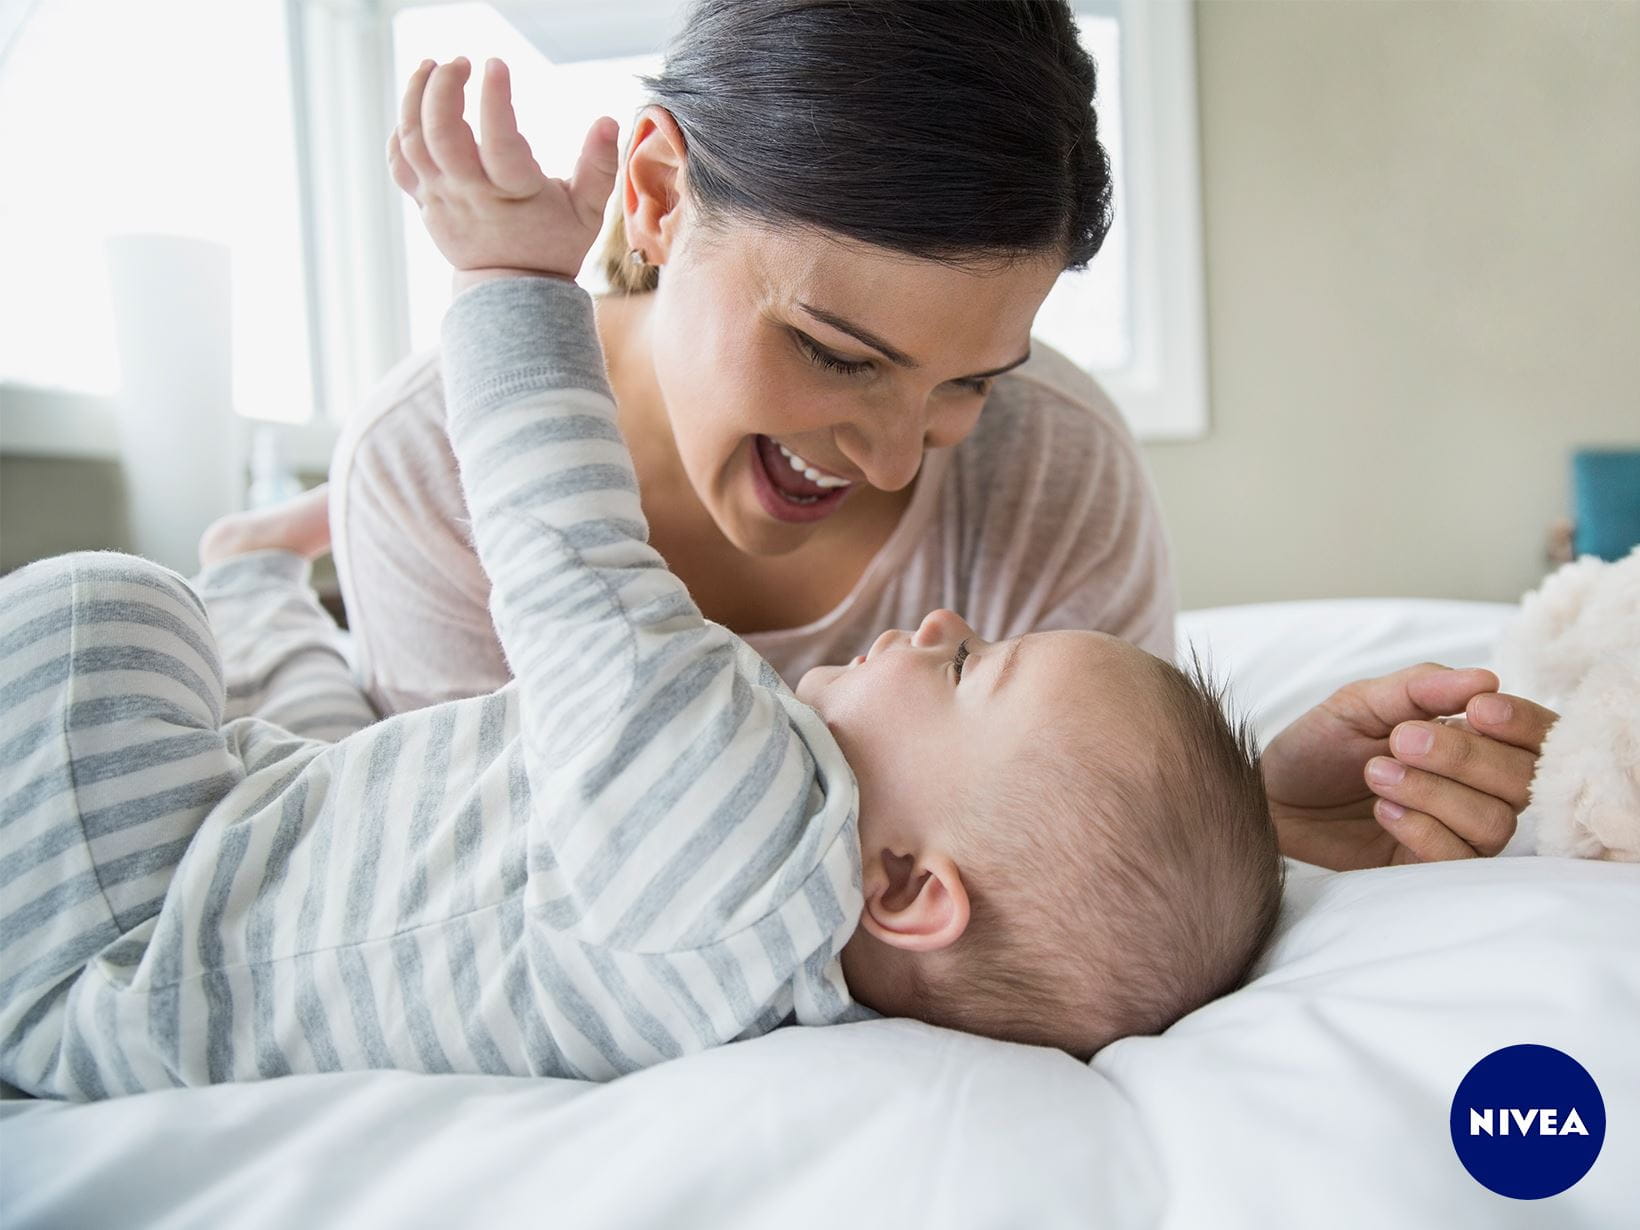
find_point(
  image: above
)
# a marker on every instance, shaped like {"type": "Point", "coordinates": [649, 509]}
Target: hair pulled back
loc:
{"type": "Point", "coordinates": [960, 131]}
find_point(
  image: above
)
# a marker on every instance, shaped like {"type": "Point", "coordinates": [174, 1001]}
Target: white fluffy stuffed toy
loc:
{"type": "Point", "coordinates": [1575, 647]}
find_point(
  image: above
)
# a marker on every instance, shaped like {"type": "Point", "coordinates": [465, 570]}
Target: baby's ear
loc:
{"type": "Point", "coordinates": [923, 907]}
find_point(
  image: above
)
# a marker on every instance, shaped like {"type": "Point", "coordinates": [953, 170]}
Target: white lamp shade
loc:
{"type": "Point", "coordinates": [173, 320]}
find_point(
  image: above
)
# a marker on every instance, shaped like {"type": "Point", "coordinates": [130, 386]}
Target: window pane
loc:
{"type": "Point", "coordinates": [555, 104]}
{"type": "Point", "coordinates": [169, 116]}
{"type": "Point", "coordinates": [1086, 314]}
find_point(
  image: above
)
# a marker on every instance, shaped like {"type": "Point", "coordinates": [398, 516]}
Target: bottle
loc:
{"type": "Point", "coordinates": [271, 481]}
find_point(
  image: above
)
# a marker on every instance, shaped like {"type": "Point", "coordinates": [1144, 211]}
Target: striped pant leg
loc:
{"type": "Point", "coordinates": [111, 699]}
{"type": "Point", "coordinates": [283, 653]}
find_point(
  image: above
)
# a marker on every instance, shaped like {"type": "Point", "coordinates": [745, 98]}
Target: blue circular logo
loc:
{"type": "Point", "coordinates": [1528, 1121]}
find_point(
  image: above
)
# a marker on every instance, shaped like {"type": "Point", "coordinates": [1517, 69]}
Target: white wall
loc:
{"type": "Point", "coordinates": [1422, 231]}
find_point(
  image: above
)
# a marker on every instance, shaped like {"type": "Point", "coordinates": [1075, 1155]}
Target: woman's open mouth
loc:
{"type": "Point", "coordinates": [789, 488]}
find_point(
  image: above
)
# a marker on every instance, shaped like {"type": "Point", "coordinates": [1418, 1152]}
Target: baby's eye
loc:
{"type": "Point", "coordinates": [962, 655]}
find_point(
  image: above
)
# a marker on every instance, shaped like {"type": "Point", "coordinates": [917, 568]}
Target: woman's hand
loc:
{"type": "Point", "coordinates": [1369, 777]}
{"type": "Point", "coordinates": [489, 207]}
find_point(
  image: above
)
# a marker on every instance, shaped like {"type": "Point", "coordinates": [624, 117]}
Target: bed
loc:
{"type": "Point", "coordinates": [1316, 1095]}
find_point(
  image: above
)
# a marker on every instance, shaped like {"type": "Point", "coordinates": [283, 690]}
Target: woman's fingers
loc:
{"type": "Point", "coordinates": [448, 139]}
{"type": "Point", "coordinates": [1511, 719]}
{"type": "Point", "coordinates": [1483, 822]}
{"type": "Point", "coordinates": [1427, 690]}
{"type": "Point", "coordinates": [1420, 838]}
{"type": "Point", "coordinates": [1438, 692]}
{"type": "Point", "coordinates": [412, 144]}
{"type": "Point", "coordinates": [1468, 757]}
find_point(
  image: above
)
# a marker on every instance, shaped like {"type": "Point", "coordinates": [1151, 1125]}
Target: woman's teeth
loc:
{"type": "Point", "coordinates": [809, 470]}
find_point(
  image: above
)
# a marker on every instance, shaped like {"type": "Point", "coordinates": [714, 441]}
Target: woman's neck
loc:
{"type": "Point", "coordinates": [680, 525]}
{"type": "Point", "coordinates": [640, 410]}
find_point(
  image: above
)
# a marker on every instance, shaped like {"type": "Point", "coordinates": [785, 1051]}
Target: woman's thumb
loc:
{"type": "Point", "coordinates": [1438, 691]}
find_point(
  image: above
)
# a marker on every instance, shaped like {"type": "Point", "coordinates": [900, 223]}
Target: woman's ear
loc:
{"type": "Point", "coordinates": [917, 904]}
{"type": "Point", "coordinates": [651, 188]}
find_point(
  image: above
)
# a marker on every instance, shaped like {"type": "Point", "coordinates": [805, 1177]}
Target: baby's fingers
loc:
{"type": "Point", "coordinates": [505, 153]}
{"type": "Point", "coordinates": [404, 175]}
{"type": "Point", "coordinates": [408, 135]}
{"type": "Point", "coordinates": [449, 140]}
{"type": "Point", "coordinates": [594, 177]}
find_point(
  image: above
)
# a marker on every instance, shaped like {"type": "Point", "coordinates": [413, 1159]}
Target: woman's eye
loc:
{"type": "Point", "coordinates": [830, 362]}
{"type": "Point", "coordinates": [845, 367]}
{"type": "Point", "coordinates": [962, 656]}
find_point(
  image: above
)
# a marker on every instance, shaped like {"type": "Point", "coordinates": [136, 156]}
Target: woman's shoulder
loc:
{"type": "Point", "coordinates": [1050, 513]}
{"type": "Point", "coordinates": [414, 383]}
{"type": "Point", "coordinates": [1047, 419]}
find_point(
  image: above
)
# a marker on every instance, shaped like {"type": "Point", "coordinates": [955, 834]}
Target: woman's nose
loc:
{"type": "Point", "coordinates": [941, 627]}
{"type": "Point", "coordinates": [890, 454]}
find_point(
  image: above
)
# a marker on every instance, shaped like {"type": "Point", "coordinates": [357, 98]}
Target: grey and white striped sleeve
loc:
{"type": "Point", "coordinates": [706, 794]}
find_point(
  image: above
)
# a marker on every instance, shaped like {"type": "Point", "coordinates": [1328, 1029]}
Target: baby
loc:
{"type": "Point", "coordinates": [645, 845]}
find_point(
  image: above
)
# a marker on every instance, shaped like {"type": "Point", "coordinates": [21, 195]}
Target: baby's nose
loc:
{"type": "Point", "coordinates": [941, 627]}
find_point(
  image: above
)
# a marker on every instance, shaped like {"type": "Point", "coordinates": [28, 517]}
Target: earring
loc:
{"type": "Point", "coordinates": [637, 257]}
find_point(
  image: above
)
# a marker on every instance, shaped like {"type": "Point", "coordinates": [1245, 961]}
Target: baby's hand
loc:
{"type": "Point", "coordinates": [488, 206]}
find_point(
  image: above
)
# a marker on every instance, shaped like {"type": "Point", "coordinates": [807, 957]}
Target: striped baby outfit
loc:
{"type": "Point", "coordinates": [213, 867]}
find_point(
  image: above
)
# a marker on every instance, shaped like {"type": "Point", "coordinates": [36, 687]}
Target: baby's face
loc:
{"type": "Point", "coordinates": [916, 727]}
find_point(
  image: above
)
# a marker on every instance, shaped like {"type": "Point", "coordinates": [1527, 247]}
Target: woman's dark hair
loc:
{"type": "Point", "coordinates": [960, 131]}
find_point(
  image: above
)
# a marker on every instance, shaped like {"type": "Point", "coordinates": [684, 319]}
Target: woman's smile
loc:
{"type": "Point", "coordinates": [791, 493]}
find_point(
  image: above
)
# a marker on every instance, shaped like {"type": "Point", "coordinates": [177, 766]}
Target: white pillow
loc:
{"type": "Point", "coordinates": [1316, 1096]}
{"type": "Point", "coordinates": [1283, 657]}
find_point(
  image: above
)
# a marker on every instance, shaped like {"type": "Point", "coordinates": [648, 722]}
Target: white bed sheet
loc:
{"type": "Point", "coordinates": [1317, 1095]}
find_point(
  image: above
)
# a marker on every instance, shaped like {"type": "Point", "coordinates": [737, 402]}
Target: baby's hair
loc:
{"type": "Point", "coordinates": [1118, 889]}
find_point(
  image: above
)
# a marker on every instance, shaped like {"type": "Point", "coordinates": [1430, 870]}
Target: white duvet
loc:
{"type": "Point", "coordinates": [1317, 1095]}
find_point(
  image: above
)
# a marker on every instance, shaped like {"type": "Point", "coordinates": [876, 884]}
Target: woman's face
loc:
{"type": "Point", "coordinates": [760, 350]}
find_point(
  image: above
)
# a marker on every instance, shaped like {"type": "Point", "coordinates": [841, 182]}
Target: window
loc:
{"type": "Point", "coordinates": [1086, 314]}
{"type": "Point", "coordinates": [1148, 276]}
{"type": "Point", "coordinates": [168, 117]}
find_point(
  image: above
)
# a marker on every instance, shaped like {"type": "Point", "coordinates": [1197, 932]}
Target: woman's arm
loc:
{"type": "Point", "coordinates": [1458, 787]}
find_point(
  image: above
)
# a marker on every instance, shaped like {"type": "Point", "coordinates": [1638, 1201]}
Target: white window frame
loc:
{"type": "Point", "coordinates": [1162, 388]}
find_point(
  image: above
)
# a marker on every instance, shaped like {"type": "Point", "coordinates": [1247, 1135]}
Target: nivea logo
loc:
{"type": "Point", "coordinates": [1528, 1121]}
{"type": "Point", "coordinates": [1480, 1122]}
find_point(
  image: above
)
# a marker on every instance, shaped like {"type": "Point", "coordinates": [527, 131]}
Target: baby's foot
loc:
{"type": "Point", "coordinates": [300, 524]}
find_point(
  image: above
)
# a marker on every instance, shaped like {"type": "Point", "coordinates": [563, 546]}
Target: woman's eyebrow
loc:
{"type": "Point", "coordinates": [898, 357]}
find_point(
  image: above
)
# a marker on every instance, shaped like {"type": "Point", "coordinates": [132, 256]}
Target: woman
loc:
{"type": "Point", "coordinates": [837, 223]}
